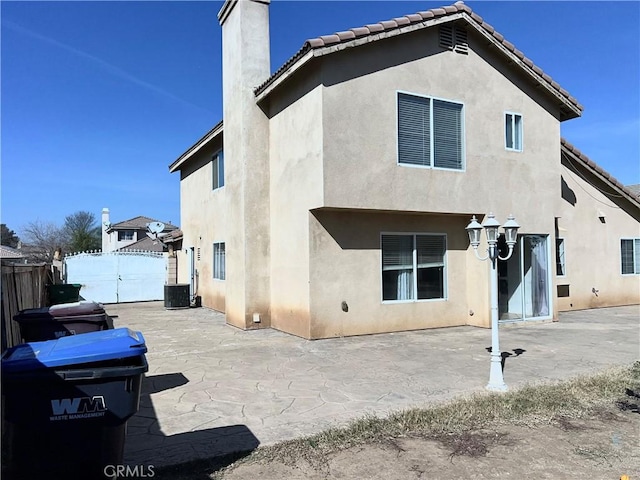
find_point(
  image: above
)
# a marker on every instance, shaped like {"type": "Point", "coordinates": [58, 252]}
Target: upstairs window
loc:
{"type": "Point", "coordinates": [125, 235]}
{"type": "Point", "coordinates": [217, 164]}
{"type": "Point", "coordinates": [630, 256]}
{"type": "Point", "coordinates": [430, 132]}
{"type": "Point", "coordinates": [513, 131]}
{"type": "Point", "coordinates": [219, 267]}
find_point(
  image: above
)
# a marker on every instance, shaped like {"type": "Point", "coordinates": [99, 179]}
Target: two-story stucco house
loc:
{"type": "Point", "coordinates": [131, 234]}
{"type": "Point", "coordinates": [333, 199]}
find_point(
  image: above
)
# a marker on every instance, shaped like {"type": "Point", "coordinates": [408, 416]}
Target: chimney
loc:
{"type": "Point", "coordinates": [246, 59]}
{"type": "Point", "coordinates": [245, 65]}
{"type": "Point", "coordinates": [106, 223]}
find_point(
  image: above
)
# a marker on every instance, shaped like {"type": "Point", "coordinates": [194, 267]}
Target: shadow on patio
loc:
{"type": "Point", "coordinates": [220, 446]}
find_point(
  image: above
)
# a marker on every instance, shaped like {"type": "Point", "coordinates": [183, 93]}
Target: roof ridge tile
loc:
{"type": "Point", "coordinates": [410, 19]}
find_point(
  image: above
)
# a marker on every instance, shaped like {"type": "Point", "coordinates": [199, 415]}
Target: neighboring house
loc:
{"type": "Point", "coordinates": [35, 254]}
{"type": "Point", "coordinates": [131, 234]}
{"type": "Point", "coordinates": [11, 255]}
{"type": "Point", "coordinates": [348, 177]}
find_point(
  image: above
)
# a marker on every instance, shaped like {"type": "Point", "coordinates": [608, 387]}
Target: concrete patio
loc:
{"type": "Point", "coordinates": [212, 389]}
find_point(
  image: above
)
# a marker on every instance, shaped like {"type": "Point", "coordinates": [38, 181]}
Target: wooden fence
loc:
{"type": "Point", "coordinates": [23, 286]}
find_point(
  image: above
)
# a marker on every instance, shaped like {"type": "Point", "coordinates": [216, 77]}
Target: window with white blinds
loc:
{"type": "Point", "coordinates": [430, 132]}
{"type": "Point", "coordinates": [630, 256]}
{"type": "Point", "coordinates": [413, 267]}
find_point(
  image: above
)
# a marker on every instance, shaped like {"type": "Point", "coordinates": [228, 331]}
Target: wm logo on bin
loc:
{"type": "Point", "coordinates": [73, 406]}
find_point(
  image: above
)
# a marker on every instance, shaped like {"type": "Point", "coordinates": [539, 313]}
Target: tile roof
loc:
{"type": "Point", "coordinates": [568, 148]}
{"type": "Point", "coordinates": [415, 21]}
{"type": "Point", "coordinates": [8, 252]}
{"type": "Point", "coordinates": [146, 244]}
{"type": "Point", "coordinates": [635, 189]}
{"type": "Point", "coordinates": [138, 223]}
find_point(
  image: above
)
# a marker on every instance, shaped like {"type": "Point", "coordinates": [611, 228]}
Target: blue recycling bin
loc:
{"type": "Point", "coordinates": [66, 403]}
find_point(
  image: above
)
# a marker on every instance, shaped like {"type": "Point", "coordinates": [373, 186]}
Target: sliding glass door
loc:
{"type": "Point", "coordinates": [524, 281]}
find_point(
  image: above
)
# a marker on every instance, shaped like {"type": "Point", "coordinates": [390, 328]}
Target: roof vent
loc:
{"type": "Point", "coordinates": [454, 38]}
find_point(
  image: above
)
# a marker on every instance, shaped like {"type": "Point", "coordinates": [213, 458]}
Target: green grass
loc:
{"type": "Point", "coordinates": [452, 423]}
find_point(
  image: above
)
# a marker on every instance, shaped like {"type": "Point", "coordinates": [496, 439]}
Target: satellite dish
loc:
{"type": "Point", "coordinates": [155, 227]}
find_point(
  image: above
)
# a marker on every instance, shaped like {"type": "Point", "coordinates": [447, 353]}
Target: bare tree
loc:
{"type": "Point", "coordinates": [41, 239]}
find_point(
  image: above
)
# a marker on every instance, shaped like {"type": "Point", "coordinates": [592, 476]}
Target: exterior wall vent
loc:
{"type": "Point", "coordinates": [454, 38]}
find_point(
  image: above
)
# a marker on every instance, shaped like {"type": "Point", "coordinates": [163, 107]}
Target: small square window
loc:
{"type": "Point", "coordinates": [125, 235]}
{"type": "Point", "coordinates": [513, 131]}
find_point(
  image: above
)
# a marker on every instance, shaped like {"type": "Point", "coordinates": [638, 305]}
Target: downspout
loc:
{"type": "Point", "coordinates": [192, 275]}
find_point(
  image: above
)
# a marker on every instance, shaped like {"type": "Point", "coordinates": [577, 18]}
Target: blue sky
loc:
{"type": "Point", "coordinates": [98, 98]}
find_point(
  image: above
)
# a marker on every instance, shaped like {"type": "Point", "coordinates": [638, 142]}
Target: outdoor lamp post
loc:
{"type": "Point", "coordinates": [491, 226]}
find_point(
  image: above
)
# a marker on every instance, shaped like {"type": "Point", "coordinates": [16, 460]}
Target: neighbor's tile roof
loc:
{"type": "Point", "coordinates": [138, 223]}
{"type": "Point", "coordinates": [8, 252]}
{"type": "Point", "coordinates": [592, 166]}
{"type": "Point", "coordinates": [147, 244]}
{"type": "Point", "coordinates": [373, 30]}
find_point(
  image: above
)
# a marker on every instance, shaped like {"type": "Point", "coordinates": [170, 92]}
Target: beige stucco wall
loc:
{"type": "Point", "coordinates": [325, 143]}
{"type": "Point", "coordinates": [204, 213]}
{"type": "Point", "coordinates": [350, 100]}
{"type": "Point", "coordinates": [345, 265]}
{"type": "Point", "coordinates": [360, 133]}
{"type": "Point", "coordinates": [295, 170]}
{"type": "Point", "coordinates": [593, 247]}
{"type": "Point", "coordinates": [245, 64]}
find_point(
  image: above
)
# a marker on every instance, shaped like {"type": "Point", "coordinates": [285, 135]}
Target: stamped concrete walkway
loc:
{"type": "Point", "coordinates": [213, 389]}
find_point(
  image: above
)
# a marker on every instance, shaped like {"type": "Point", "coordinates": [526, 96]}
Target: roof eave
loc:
{"type": "Point", "coordinates": [599, 172]}
{"type": "Point", "coordinates": [263, 93]}
{"type": "Point", "coordinates": [196, 147]}
{"type": "Point", "coordinates": [279, 77]}
{"type": "Point", "coordinates": [568, 109]}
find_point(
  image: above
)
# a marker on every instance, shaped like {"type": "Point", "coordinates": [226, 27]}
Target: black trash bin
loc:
{"type": "Point", "coordinates": [49, 323]}
{"type": "Point", "coordinates": [66, 403]}
{"type": "Point", "coordinates": [63, 293]}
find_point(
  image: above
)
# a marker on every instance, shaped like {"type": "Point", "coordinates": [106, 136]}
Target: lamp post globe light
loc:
{"type": "Point", "coordinates": [491, 226]}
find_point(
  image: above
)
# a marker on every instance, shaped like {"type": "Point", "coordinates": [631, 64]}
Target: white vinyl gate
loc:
{"type": "Point", "coordinates": [116, 277]}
